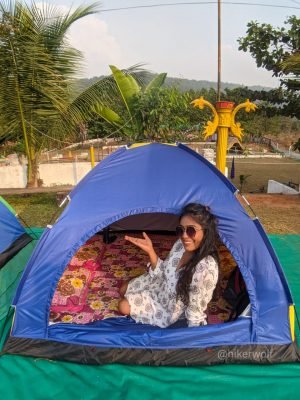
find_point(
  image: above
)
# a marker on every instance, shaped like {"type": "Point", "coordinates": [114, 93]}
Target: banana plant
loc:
{"type": "Point", "coordinates": [130, 123]}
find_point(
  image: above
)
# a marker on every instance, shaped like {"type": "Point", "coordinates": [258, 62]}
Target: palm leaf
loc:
{"type": "Point", "coordinates": [139, 73]}
{"type": "Point", "coordinates": [37, 67]}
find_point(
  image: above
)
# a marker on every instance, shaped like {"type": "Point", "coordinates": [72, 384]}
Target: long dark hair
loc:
{"type": "Point", "coordinates": [209, 246]}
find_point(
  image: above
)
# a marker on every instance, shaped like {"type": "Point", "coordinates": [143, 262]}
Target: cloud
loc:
{"type": "Point", "coordinates": [91, 36]}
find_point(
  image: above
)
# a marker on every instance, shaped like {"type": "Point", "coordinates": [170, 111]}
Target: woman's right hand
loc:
{"type": "Point", "coordinates": [144, 244]}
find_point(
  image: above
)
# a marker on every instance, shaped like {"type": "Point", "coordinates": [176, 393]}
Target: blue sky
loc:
{"type": "Point", "coordinates": [179, 40]}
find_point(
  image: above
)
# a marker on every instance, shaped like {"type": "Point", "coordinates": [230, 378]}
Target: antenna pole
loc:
{"type": "Point", "coordinates": [219, 52]}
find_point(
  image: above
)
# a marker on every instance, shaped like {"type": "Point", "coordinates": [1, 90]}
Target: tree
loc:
{"type": "Point", "coordinates": [164, 114]}
{"type": "Point", "coordinates": [277, 50]}
{"type": "Point", "coordinates": [272, 47]}
{"type": "Point", "coordinates": [271, 117]}
{"type": "Point", "coordinates": [37, 68]}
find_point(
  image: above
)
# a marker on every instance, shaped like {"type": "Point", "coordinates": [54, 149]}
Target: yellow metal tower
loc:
{"type": "Point", "coordinates": [224, 120]}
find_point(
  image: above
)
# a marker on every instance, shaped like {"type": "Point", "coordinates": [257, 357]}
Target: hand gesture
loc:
{"type": "Point", "coordinates": [143, 243]}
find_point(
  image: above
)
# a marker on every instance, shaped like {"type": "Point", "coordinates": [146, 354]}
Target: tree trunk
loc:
{"type": "Point", "coordinates": [33, 180]}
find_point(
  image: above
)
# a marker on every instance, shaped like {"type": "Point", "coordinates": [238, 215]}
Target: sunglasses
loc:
{"type": "Point", "coordinates": [190, 230]}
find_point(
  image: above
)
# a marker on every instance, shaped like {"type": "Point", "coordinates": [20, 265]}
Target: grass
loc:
{"type": "Point", "coordinates": [278, 214]}
{"type": "Point", "coordinates": [261, 170]}
{"type": "Point", "coordinates": [35, 209]}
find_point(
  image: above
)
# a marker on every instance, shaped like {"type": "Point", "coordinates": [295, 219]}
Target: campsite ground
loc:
{"type": "Point", "coordinates": [280, 214]}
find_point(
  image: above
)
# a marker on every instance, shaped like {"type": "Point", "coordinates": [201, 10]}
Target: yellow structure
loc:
{"type": "Point", "coordinates": [224, 119]}
{"type": "Point", "coordinates": [92, 156]}
{"type": "Point", "coordinates": [292, 320]}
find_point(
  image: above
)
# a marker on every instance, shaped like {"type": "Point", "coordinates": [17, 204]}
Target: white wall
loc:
{"type": "Point", "coordinates": [13, 176]}
{"type": "Point", "coordinates": [277, 187]}
{"type": "Point", "coordinates": [63, 173]}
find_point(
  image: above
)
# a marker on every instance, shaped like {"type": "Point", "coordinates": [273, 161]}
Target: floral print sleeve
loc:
{"type": "Point", "coordinates": [201, 291]}
{"type": "Point", "coordinates": [158, 269]}
{"type": "Point", "coordinates": [162, 264]}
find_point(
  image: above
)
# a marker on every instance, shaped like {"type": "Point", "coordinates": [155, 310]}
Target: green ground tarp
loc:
{"type": "Point", "coordinates": [35, 379]}
{"type": "Point", "coordinates": [11, 273]}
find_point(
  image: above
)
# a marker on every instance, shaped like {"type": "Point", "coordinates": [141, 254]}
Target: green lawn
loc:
{"type": "Point", "coordinates": [35, 209]}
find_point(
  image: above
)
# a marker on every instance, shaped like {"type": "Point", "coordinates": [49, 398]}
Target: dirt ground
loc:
{"type": "Point", "coordinates": [279, 214]}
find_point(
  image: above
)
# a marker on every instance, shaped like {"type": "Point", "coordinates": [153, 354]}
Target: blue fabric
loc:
{"type": "Point", "coordinates": [124, 332]}
{"type": "Point", "coordinates": [154, 178]}
{"type": "Point", "coordinates": [232, 170]}
{"type": "Point", "coordinates": [10, 228]}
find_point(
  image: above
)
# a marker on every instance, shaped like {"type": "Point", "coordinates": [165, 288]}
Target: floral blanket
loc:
{"type": "Point", "coordinates": [88, 290]}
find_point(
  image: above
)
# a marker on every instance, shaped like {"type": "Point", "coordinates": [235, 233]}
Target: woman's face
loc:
{"type": "Point", "coordinates": [191, 243]}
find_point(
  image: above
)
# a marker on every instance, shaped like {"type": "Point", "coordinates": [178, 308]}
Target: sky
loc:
{"type": "Point", "coordinates": [180, 40]}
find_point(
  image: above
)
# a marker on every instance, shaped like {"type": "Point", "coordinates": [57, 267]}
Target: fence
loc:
{"type": "Point", "coordinates": [67, 168]}
{"type": "Point", "coordinates": [100, 152]}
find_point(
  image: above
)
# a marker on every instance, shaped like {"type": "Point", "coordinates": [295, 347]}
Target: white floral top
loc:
{"type": "Point", "coordinates": [152, 296]}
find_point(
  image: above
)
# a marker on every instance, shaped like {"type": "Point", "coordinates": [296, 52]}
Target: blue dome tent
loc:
{"type": "Point", "coordinates": [154, 180]}
{"type": "Point", "coordinates": [13, 236]}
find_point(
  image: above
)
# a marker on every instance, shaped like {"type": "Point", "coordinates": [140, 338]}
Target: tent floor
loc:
{"type": "Point", "coordinates": [242, 354]}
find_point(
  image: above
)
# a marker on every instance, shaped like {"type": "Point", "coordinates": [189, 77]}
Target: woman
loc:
{"type": "Point", "coordinates": [184, 282]}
